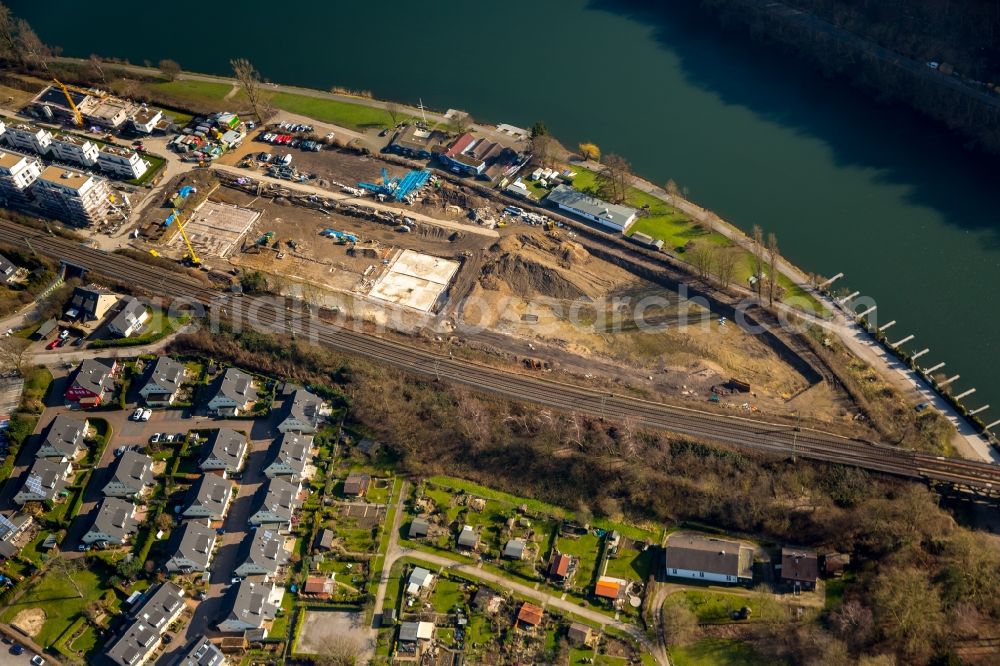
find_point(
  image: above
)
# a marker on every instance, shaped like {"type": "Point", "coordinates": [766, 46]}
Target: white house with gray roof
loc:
{"type": "Point", "coordinates": [163, 382]}
{"type": "Point", "coordinates": [292, 457]}
{"type": "Point", "coordinates": [156, 612]}
{"type": "Point", "coordinates": [130, 318]}
{"type": "Point", "coordinates": [8, 269]}
{"type": "Point", "coordinates": [114, 524]}
{"type": "Point", "coordinates": [303, 412]}
{"type": "Point", "coordinates": [133, 476]}
{"type": "Point", "coordinates": [267, 554]}
{"type": "Point", "coordinates": [280, 503]}
{"type": "Point", "coordinates": [612, 216]}
{"type": "Point", "coordinates": [64, 438]}
{"type": "Point", "coordinates": [233, 393]}
{"type": "Point", "coordinates": [46, 479]}
{"type": "Point", "coordinates": [254, 604]}
{"type": "Point", "coordinates": [225, 450]}
{"type": "Point", "coordinates": [708, 558]}
{"type": "Point", "coordinates": [192, 547]}
{"type": "Point", "coordinates": [202, 653]}
{"type": "Point", "coordinates": [209, 498]}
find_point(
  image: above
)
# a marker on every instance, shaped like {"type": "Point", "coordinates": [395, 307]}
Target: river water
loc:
{"type": "Point", "coordinates": [846, 184]}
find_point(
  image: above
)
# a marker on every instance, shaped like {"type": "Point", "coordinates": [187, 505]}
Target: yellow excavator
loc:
{"type": "Point", "coordinates": [192, 256]}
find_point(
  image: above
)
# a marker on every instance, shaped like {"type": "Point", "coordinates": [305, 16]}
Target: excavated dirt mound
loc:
{"type": "Point", "coordinates": [30, 621]}
{"type": "Point", "coordinates": [535, 264]}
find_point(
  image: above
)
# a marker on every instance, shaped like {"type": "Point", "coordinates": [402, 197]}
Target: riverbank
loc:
{"type": "Point", "coordinates": [218, 91]}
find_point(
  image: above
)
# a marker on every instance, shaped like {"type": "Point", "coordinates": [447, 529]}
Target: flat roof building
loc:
{"type": "Point", "coordinates": [73, 197]}
{"type": "Point", "coordinates": [612, 216]}
{"type": "Point", "coordinates": [26, 136]}
{"type": "Point", "coordinates": [17, 173]}
{"type": "Point", "coordinates": [73, 149]}
{"type": "Point", "coordinates": [121, 162]}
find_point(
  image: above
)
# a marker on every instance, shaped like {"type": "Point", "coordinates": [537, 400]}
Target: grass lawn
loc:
{"type": "Point", "coordinates": [346, 114]}
{"type": "Point", "coordinates": [716, 652]}
{"type": "Point", "coordinates": [631, 564]}
{"type": "Point", "coordinates": [195, 90]}
{"type": "Point", "coordinates": [55, 594]}
{"type": "Point", "coordinates": [585, 549]}
{"type": "Point", "coordinates": [155, 164]}
{"type": "Point", "coordinates": [446, 595]}
{"type": "Point", "coordinates": [479, 631]}
{"type": "Point", "coordinates": [835, 590]}
{"type": "Point", "coordinates": [717, 607]}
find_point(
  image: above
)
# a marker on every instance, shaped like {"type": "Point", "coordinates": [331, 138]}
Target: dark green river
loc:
{"type": "Point", "coordinates": [846, 184]}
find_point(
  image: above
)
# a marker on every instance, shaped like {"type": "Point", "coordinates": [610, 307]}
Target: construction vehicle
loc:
{"type": "Point", "coordinates": [72, 105]}
{"type": "Point", "coordinates": [191, 257]}
{"type": "Point", "coordinates": [154, 253]}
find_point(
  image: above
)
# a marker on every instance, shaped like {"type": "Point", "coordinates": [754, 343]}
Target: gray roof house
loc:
{"type": "Point", "coordinates": [114, 524]}
{"type": "Point", "coordinates": [45, 480]}
{"type": "Point", "coordinates": [291, 458]}
{"type": "Point", "coordinates": [280, 502]}
{"type": "Point", "coordinates": [130, 318]}
{"type": "Point", "coordinates": [132, 477]}
{"type": "Point", "coordinates": [163, 382]}
{"type": "Point", "coordinates": [253, 604]}
{"type": "Point", "coordinates": [468, 538]}
{"type": "Point", "coordinates": [266, 555]}
{"type": "Point", "coordinates": [93, 383]}
{"type": "Point", "coordinates": [514, 550]}
{"type": "Point", "coordinates": [302, 412]}
{"type": "Point", "coordinates": [64, 438]}
{"type": "Point", "coordinates": [420, 579]}
{"type": "Point", "coordinates": [192, 544]}
{"type": "Point", "coordinates": [7, 269]}
{"type": "Point", "coordinates": [708, 558]}
{"type": "Point", "coordinates": [225, 450]}
{"type": "Point", "coordinates": [210, 497]}
{"type": "Point", "coordinates": [202, 653]}
{"type": "Point", "coordinates": [418, 528]}
{"type": "Point", "coordinates": [90, 303]}
{"type": "Point", "coordinates": [148, 623]}
{"type": "Point", "coordinates": [233, 393]}
{"type": "Point", "coordinates": [610, 215]}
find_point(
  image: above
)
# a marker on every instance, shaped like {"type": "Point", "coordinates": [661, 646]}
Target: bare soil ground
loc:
{"type": "Point", "coordinates": [30, 621]}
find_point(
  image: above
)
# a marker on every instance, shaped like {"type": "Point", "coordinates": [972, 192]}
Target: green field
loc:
{"type": "Point", "coordinates": [346, 114]}
{"type": "Point", "coordinates": [632, 564]}
{"type": "Point", "coordinates": [56, 595]}
{"type": "Point", "coordinates": [716, 652]}
{"type": "Point", "coordinates": [446, 595]}
{"type": "Point", "coordinates": [194, 90]}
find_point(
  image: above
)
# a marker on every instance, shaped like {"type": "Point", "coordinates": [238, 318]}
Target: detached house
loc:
{"type": "Point", "coordinates": [254, 605]}
{"type": "Point", "coordinates": [209, 498]}
{"type": "Point", "coordinates": [356, 484]}
{"type": "Point", "coordinates": [93, 383]}
{"type": "Point", "coordinates": [799, 568]}
{"type": "Point", "coordinates": [129, 319]}
{"type": "Point", "coordinates": [708, 558]}
{"type": "Point", "coordinates": [192, 547]}
{"type": "Point", "coordinates": [45, 481]}
{"type": "Point", "coordinates": [203, 653]}
{"type": "Point", "coordinates": [278, 507]}
{"type": "Point", "coordinates": [133, 476]}
{"type": "Point", "coordinates": [90, 304]}
{"type": "Point", "coordinates": [64, 439]}
{"type": "Point", "coordinates": [8, 270]}
{"type": "Point", "coordinates": [303, 412]}
{"type": "Point", "coordinates": [163, 382]}
{"type": "Point", "coordinates": [291, 458]}
{"type": "Point", "coordinates": [233, 393]}
{"type": "Point", "coordinates": [225, 450]}
{"type": "Point", "coordinates": [267, 554]}
{"type": "Point", "coordinates": [114, 524]}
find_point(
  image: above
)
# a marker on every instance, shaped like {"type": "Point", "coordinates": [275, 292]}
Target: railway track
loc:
{"type": "Point", "coordinates": [733, 430]}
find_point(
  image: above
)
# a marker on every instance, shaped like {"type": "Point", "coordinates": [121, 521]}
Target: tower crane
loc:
{"type": "Point", "coordinates": [192, 256]}
{"type": "Point", "coordinates": [72, 105]}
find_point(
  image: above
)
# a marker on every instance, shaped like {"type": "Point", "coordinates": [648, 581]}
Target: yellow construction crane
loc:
{"type": "Point", "coordinates": [72, 105]}
{"type": "Point", "coordinates": [191, 256]}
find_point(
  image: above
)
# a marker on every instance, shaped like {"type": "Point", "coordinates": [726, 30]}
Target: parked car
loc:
{"type": "Point", "coordinates": [155, 438]}
{"type": "Point", "coordinates": [37, 661]}
{"type": "Point", "coordinates": [53, 344]}
{"type": "Point", "coordinates": [63, 334]}
{"type": "Point", "coordinates": [137, 414]}
{"type": "Point", "coordinates": [16, 649]}
{"type": "Point", "coordinates": [146, 414]}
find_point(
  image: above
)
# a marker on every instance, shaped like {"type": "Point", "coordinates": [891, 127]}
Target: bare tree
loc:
{"type": "Point", "coordinates": [703, 258]}
{"type": "Point", "coordinates": [616, 177]}
{"type": "Point", "coordinates": [8, 38]}
{"type": "Point", "coordinates": [672, 188]}
{"type": "Point", "coordinates": [32, 48]}
{"type": "Point", "coordinates": [67, 570]}
{"type": "Point", "coordinates": [772, 268]}
{"type": "Point", "coordinates": [725, 265]}
{"type": "Point", "coordinates": [170, 69]}
{"type": "Point", "coordinates": [393, 109]}
{"type": "Point", "coordinates": [543, 148]}
{"type": "Point", "coordinates": [98, 67]}
{"type": "Point", "coordinates": [338, 650]}
{"type": "Point", "coordinates": [678, 622]}
{"type": "Point", "coordinates": [758, 258]}
{"type": "Point", "coordinates": [464, 122]}
{"type": "Point", "coordinates": [249, 79]}
{"type": "Point", "coordinates": [12, 354]}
